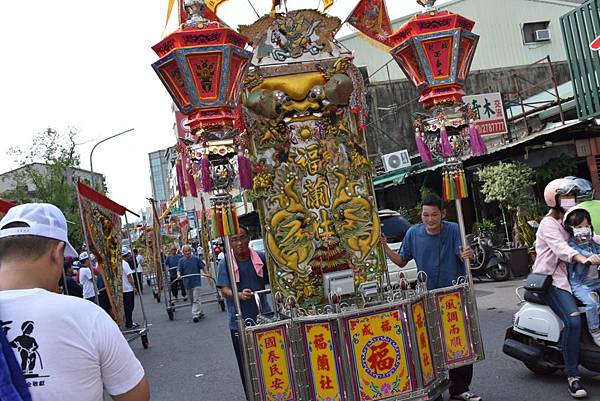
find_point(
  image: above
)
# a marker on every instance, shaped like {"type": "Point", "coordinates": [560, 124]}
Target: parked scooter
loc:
{"type": "Point", "coordinates": [534, 338]}
{"type": "Point", "coordinates": [488, 261]}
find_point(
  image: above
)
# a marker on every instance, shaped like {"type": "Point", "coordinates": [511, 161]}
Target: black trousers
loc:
{"type": "Point", "coordinates": [176, 286]}
{"type": "Point", "coordinates": [92, 299]}
{"type": "Point", "coordinates": [460, 379]}
{"type": "Point", "coordinates": [104, 301]}
{"type": "Point", "coordinates": [237, 347]}
{"type": "Point", "coordinates": [129, 304]}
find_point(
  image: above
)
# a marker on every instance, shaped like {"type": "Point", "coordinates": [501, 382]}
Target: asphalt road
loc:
{"type": "Point", "coordinates": [190, 361]}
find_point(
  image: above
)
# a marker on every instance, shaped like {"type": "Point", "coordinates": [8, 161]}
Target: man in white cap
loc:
{"type": "Point", "coordinates": [63, 344]}
{"type": "Point", "coordinates": [86, 278]}
{"type": "Point", "coordinates": [128, 289]}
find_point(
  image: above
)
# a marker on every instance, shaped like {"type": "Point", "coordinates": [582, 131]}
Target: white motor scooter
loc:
{"type": "Point", "coordinates": [534, 337]}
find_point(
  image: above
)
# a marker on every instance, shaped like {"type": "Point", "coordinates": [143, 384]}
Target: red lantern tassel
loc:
{"type": "Point", "coordinates": [214, 223]}
{"type": "Point", "coordinates": [180, 181]}
{"type": "Point", "coordinates": [478, 147]}
{"type": "Point", "coordinates": [236, 222]}
{"type": "Point", "coordinates": [245, 171]}
{"type": "Point", "coordinates": [205, 171]}
{"type": "Point", "coordinates": [423, 149]}
{"type": "Point", "coordinates": [445, 145]}
{"type": "Point", "coordinates": [219, 222]}
{"type": "Point", "coordinates": [191, 183]}
{"type": "Point", "coordinates": [444, 186]}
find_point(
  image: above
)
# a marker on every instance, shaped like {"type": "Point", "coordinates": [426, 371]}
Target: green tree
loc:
{"type": "Point", "coordinates": [509, 184]}
{"type": "Point", "coordinates": [49, 183]}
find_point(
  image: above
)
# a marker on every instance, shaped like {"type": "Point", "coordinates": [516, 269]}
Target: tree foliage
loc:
{"type": "Point", "coordinates": [48, 183]}
{"type": "Point", "coordinates": [507, 183]}
{"type": "Point", "coordinates": [511, 185]}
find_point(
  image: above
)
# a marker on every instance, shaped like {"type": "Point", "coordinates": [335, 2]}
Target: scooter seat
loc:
{"type": "Point", "coordinates": [534, 298]}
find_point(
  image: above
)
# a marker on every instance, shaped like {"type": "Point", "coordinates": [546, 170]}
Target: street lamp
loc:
{"type": "Point", "coordinates": [93, 181]}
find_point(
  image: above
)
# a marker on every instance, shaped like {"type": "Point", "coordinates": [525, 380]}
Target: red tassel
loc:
{"type": "Point", "coordinates": [423, 149]}
{"type": "Point", "coordinates": [191, 182]}
{"type": "Point", "coordinates": [478, 147]}
{"type": "Point", "coordinates": [445, 145]}
{"type": "Point", "coordinates": [180, 180]}
{"type": "Point", "coordinates": [205, 170]}
{"type": "Point", "coordinates": [245, 171]}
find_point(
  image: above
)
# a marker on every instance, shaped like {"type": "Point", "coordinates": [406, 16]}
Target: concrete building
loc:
{"type": "Point", "coordinates": [160, 166]}
{"type": "Point", "coordinates": [507, 47]}
{"type": "Point", "coordinates": [10, 179]}
{"type": "Point", "coordinates": [506, 29]}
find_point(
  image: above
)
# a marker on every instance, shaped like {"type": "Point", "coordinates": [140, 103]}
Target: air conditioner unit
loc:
{"type": "Point", "coordinates": [396, 160]}
{"type": "Point", "coordinates": [542, 35]}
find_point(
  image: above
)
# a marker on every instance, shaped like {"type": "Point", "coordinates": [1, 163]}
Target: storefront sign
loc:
{"type": "Point", "coordinates": [488, 107]}
{"type": "Point", "coordinates": [424, 344]}
{"type": "Point", "coordinates": [456, 339]}
{"type": "Point", "coordinates": [323, 370]}
{"type": "Point", "coordinates": [379, 355]}
{"type": "Point", "coordinates": [272, 353]}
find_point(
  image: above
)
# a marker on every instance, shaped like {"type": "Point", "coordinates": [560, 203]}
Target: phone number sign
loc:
{"type": "Point", "coordinates": [490, 116]}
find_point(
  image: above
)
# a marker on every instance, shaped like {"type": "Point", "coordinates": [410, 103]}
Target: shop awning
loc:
{"type": "Point", "coordinates": [393, 177]}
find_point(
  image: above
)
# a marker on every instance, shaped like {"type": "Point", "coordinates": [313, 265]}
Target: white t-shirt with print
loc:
{"type": "Point", "coordinates": [139, 259]}
{"type": "Point", "coordinates": [85, 278]}
{"type": "Point", "coordinates": [69, 347]}
{"type": "Point", "coordinates": [127, 287]}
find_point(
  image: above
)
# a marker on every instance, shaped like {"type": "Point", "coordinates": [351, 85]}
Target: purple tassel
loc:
{"type": "Point", "coordinates": [424, 151]}
{"type": "Point", "coordinates": [446, 148]}
{"type": "Point", "coordinates": [478, 147]}
{"type": "Point", "coordinates": [180, 181]}
{"type": "Point", "coordinates": [191, 183]}
{"type": "Point", "coordinates": [206, 179]}
{"type": "Point", "coordinates": [245, 171]}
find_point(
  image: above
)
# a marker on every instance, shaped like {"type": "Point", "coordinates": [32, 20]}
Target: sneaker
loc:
{"type": "Point", "coordinates": [466, 396]}
{"type": "Point", "coordinates": [596, 336]}
{"type": "Point", "coordinates": [576, 389]}
{"type": "Point", "coordinates": [196, 319]}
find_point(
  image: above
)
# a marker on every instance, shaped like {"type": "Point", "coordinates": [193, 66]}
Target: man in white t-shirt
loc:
{"type": "Point", "coordinates": [139, 270]}
{"type": "Point", "coordinates": [128, 289]}
{"type": "Point", "coordinates": [67, 348]}
{"type": "Point", "coordinates": [85, 277]}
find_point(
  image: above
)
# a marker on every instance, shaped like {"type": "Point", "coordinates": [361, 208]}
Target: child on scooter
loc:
{"type": "Point", "coordinates": [583, 278]}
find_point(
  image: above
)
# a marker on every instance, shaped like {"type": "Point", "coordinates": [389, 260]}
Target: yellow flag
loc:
{"type": "Point", "coordinates": [327, 4]}
{"type": "Point", "coordinates": [213, 4]}
{"type": "Point", "coordinates": [169, 10]}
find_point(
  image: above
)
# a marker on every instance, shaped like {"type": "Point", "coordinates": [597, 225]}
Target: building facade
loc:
{"type": "Point", "coordinates": [507, 48]}
{"type": "Point", "coordinates": [160, 165]}
{"type": "Point", "coordinates": [11, 178]}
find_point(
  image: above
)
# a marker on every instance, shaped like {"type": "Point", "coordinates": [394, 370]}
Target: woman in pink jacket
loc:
{"type": "Point", "coordinates": [553, 252]}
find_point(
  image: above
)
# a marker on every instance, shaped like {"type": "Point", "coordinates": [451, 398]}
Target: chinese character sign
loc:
{"type": "Point", "coordinates": [454, 329]}
{"type": "Point", "coordinates": [424, 344]}
{"type": "Point", "coordinates": [271, 347]}
{"type": "Point", "coordinates": [489, 113]}
{"type": "Point", "coordinates": [379, 355]}
{"type": "Point", "coordinates": [322, 356]}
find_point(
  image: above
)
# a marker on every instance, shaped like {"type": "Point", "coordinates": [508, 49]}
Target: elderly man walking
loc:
{"type": "Point", "coordinates": [189, 270]}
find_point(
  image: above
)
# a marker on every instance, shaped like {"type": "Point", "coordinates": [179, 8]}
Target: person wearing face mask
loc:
{"type": "Point", "coordinates": [583, 277]}
{"type": "Point", "coordinates": [553, 254]}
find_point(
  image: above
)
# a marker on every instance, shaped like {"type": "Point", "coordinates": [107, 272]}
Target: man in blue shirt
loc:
{"type": "Point", "coordinates": [172, 261]}
{"type": "Point", "coordinates": [188, 270]}
{"type": "Point", "coordinates": [435, 245]}
{"type": "Point", "coordinates": [251, 275]}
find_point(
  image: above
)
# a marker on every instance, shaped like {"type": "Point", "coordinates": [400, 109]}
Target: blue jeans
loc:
{"type": "Point", "coordinates": [586, 290]}
{"type": "Point", "coordinates": [563, 304]}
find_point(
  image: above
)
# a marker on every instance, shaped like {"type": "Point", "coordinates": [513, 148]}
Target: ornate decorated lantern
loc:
{"type": "Point", "coordinates": [202, 65]}
{"type": "Point", "coordinates": [435, 50]}
{"type": "Point", "coordinates": [305, 118]}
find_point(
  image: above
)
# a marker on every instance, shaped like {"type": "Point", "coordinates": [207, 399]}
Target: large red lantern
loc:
{"type": "Point", "coordinates": [202, 65]}
{"type": "Point", "coordinates": [435, 50]}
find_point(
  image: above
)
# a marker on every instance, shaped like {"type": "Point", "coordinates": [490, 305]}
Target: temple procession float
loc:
{"type": "Point", "coordinates": [293, 102]}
